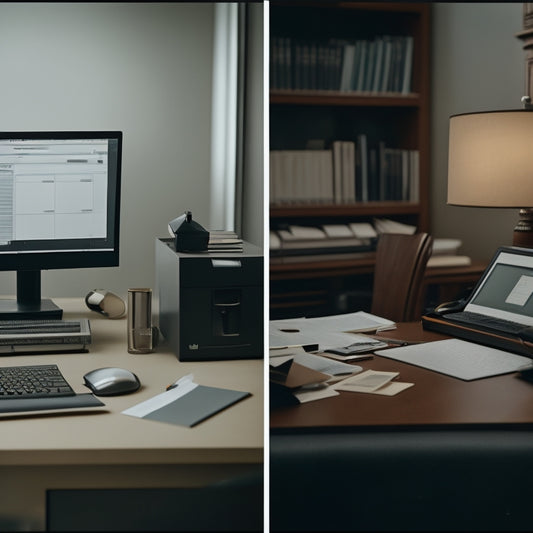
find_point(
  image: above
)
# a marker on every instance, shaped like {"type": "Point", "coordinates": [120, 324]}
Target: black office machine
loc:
{"type": "Point", "coordinates": [210, 305]}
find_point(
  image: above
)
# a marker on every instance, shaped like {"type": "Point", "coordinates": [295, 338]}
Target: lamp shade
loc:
{"type": "Point", "coordinates": [490, 159]}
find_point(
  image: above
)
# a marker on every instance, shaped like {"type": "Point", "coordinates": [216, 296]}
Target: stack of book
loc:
{"type": "Point", "coordinates": [224, 241]}
{"type": "Point", "coordinates": [445, 253]}
{"type": "Point", "coordinates": [386, 225]}
{"type": "Point", "coordinates": [316, 243]}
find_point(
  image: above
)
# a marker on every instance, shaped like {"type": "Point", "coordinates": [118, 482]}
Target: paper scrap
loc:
{"type": "Point", "coordinates": [307, 395]}
{"type": "Point", "coordinates": [368, 381]}
{"type": "Point", "coordinates": [393, 388]}
{"type": "Point", "coordinates": [373, 382]}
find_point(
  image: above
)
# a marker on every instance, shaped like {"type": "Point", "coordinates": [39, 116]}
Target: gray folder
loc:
{"type": "Point", "coordinates": [197, 405]}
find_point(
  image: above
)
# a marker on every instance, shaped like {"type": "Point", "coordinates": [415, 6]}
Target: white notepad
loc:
{"type": "Point", "coordinates": [458, 358]}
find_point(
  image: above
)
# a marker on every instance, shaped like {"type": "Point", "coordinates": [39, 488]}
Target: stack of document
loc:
{"type": "Point", "coordinates": [224, 241]}
{"type": "Point", "coordinates": [297, 376]}
{"type": "Point", "coordinates": [296, 373]}
{"type": "Point", "coordinates": [325, 332]}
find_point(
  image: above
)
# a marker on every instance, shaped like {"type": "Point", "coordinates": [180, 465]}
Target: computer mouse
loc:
{"type": "Point", "coordinates": [526, 373]}
{"type": "Point", "coordinates": [111, 381]}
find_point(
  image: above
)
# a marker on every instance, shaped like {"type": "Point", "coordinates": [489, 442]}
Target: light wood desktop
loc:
{"type": "Point", "coordinates": [103, 448]}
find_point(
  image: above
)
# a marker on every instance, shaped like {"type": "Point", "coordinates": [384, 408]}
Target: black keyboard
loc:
{"type": "Point", "coordinates": [484, 321]}
{"type": "Point", "coordinates": [37, 381]}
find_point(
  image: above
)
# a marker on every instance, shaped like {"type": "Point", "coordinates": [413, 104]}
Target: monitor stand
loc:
{"type": "Point", "coordinates": [29, 305]}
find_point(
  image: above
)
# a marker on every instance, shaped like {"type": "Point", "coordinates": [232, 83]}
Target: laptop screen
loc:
{"type": "Point", "coordinates": [506, 288]}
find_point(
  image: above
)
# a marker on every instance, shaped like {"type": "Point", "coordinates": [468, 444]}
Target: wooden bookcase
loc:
{"type": "Point", "coordinates": [299, 115]}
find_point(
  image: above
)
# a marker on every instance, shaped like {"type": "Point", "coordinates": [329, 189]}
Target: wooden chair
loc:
{"type": "Point", "coordinates": [400, 265]}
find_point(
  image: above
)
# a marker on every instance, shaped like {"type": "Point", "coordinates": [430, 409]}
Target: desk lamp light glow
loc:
{"type": "Point", "coordinates": [490, 164]}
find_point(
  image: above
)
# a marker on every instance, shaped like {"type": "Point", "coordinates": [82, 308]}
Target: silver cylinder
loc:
{"type": "Point", "coordinates": [140, 331]}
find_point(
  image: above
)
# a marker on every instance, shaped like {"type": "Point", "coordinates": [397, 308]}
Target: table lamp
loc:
{"type": "Point", "coordinates": [490, 164]}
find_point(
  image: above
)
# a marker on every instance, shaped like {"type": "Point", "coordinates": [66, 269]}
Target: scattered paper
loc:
{"type": "Point", "coordinates": [392, 388]}
{"type": "Point", "coordinates": [373, 382]}
{"type": "Point", "coordinates": [368, 381]}
{"type": "Point", "coordinates": [327, 332]}
{"type": "Point", "coordinates": [305, 395]}
{"type": "Point", "coordinates": [318, 363]}
{"type": "Point", "coordinates": [457, 358]}
{"type": "Point", "coordinates": [284, 351]}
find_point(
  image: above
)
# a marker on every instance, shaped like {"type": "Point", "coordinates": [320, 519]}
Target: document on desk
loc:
{"type": "Point", "coordinates": [458, 358]}
{"type": "Point", "coordinates": [316, 362]}
{"type": "Point", "coordinates": [373, 382]}
{"type": "Point", "coordinates": [358, 322]}
{"type": "Point", "coordinates": [327, 332]}
{"type": "Point", "coordinates": [186, 404]}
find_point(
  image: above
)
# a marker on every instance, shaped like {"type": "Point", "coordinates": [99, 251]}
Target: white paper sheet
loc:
{"type": "Point", "coordinates": [458, 358]}
{"type": "Point", "coordinates": [328, 332]}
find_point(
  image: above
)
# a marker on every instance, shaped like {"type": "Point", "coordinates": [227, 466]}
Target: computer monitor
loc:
{"type": "Point", "coordinates": [59, 209]}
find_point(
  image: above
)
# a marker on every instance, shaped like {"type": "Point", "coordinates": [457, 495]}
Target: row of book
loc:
{"type": "Point", "coordinates": [347, 172]}
{"type": "Point", "coordinates": [295, 243]}
{"type": "Point", "coordinates": [381, 65]}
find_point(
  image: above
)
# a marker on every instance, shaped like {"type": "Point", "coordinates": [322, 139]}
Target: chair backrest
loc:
{"type": "Point", "coordinates": [400, 265]}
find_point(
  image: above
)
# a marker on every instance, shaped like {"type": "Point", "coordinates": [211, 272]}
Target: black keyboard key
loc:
{"type": "Point", "coordinates": [14, 327]}
{"type": "Point", "coordinates": [484, 321]}
{"type": "Point", "coordinates": [38, 381]}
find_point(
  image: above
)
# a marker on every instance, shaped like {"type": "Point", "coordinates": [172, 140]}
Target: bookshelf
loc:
{"type": "Point", "coordinates": [331, 66]}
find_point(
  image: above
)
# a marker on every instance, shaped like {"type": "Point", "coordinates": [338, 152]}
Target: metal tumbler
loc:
{"type": "Point", "coordinates": [140, 331]}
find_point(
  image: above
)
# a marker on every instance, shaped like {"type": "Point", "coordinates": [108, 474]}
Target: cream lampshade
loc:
{"type": "Point", "coordinates": [490, 164]}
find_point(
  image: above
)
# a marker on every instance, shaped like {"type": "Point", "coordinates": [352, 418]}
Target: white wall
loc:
{"type": "Point", "coordinates": [141, 68]}
{"type": "Point", "coordinates": [477, 65]}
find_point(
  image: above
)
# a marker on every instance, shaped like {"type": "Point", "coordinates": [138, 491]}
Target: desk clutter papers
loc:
{"type": "Point", "coordinates": [186, 403]}
{"type": "Point", "coordinates": [223, 241]}
{"type": "Point", "coordinates": [373, 382]}
{"type": "Point", "coordinates": [299, 377]}
{"type": "Point", "coordinates": [360, 349]}
{"type": "Point", "coordinates": [327, 332]}
{"type": "Point", "coordinates": [314, 362]}
{"type": "Point", "coordinates": [458, 358]}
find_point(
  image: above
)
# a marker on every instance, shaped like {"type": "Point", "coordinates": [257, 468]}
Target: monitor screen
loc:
{"type": "Point", "coordinates": [59, 208]}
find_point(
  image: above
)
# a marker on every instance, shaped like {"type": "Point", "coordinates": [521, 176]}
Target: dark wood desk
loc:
{"type": "Point", "coordinates": [443, 455]}
{"type": "Point", "coordinates": [435, 399]}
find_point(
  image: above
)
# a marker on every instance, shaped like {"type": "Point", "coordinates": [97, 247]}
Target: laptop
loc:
{"type": "Point", "coordinates": [499, 311]}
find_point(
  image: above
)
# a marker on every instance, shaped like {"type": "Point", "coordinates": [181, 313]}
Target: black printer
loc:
{"type": "Point", "coordinates": [209, 305]}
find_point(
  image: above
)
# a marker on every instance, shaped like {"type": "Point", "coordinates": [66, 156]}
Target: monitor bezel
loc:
{"type": "Point", "coordinates": [68, 258]}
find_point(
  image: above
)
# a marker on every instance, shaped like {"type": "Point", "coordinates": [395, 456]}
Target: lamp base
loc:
{"type": "Point", "coordinates": [523, 231]}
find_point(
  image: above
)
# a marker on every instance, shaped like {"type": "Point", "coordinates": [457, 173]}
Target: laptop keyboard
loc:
{"type": "Point", "coordinates": [37, 381]}
{"type": "Point", "coordinates": [15, 327]}
{"type": "Point", "coordinates": [484, 321]}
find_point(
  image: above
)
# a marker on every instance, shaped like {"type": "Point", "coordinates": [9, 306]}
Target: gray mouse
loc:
{"type": "Point", "coordinates": [111, 381]}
